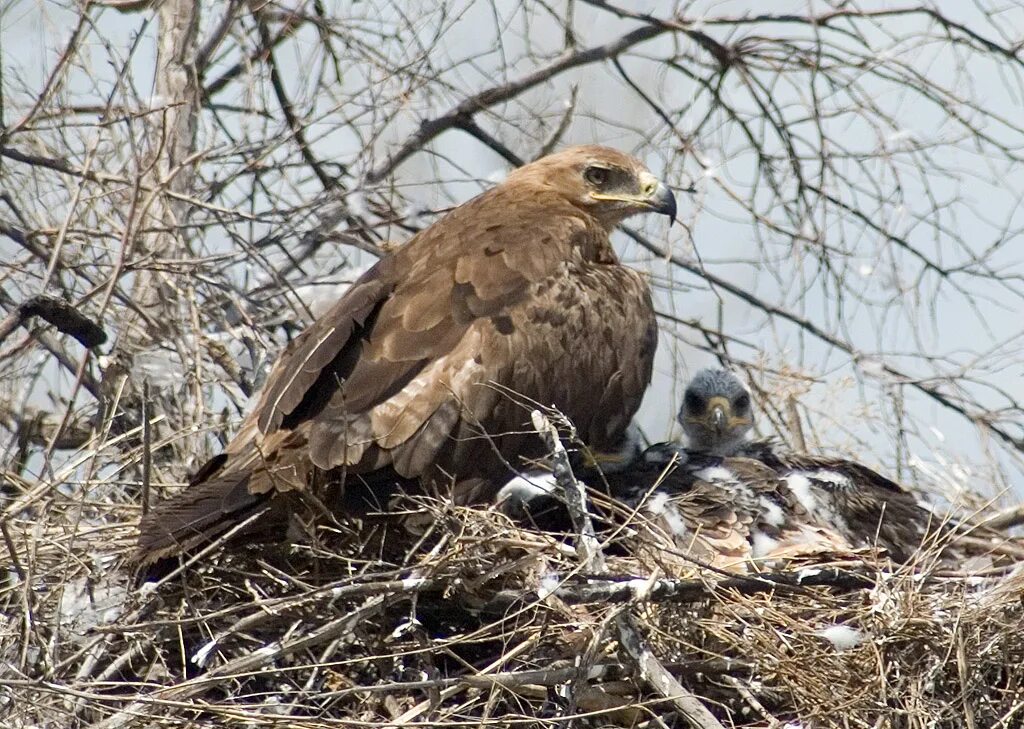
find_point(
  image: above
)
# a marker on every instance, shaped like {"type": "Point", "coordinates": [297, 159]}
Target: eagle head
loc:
{"type": "Point", "coordinates": [607, 184]}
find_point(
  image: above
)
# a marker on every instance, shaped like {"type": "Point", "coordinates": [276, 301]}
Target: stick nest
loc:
{"type": "Point", "coordinates": [458, 617]}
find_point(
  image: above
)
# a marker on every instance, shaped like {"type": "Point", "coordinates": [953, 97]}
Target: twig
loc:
{"type": "Point", "coordinates": [269, 611]}
{"type": "Point", "coordinates": [245, 664]}
{"type": "Point", "coordinates": [655, 673]}
{"type": "Point", "coordinates": [795, 427]}
{"type": "Point", "coordinates": [591, 555]}
{"type": "Point", "coordinates": [563, 125]}
{"type": "Point", "coordinates": [588, 547]}
{"type": "Point", "coordinates": [147, 447]}
{"type": "Point", "coordinates": [39, 428]}
{"type": "Point", "coordinates": [415, 712]}
{"type": "Point", "coordinates": [595, 591]}
{"type": "Point", "coordinates": [431, 128]}
{"type": "Point", "coordinates": [468, 125]}
{"type": "Point", "coordinates": [297, 127]}
{"type": "Point", "coordinates": [752, 701]}
{"type": "Point", "coordinates": [930, 390]}
{"type": "Point", "coordinates": [1007, 518]}
{"type": "Point", "coordinates": [12, 550]}
{"type": "Point", "coordinates": [538, 677]}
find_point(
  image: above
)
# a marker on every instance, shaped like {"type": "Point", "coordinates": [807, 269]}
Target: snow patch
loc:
{"type": "Point", "coordinates": [842, 637]}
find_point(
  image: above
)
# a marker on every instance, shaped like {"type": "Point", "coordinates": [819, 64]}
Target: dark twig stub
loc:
{"type": "Point", "coordinates": [60, 314]}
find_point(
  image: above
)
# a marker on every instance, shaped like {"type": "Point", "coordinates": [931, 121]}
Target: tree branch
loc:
{"type": "Point", "coordinates": [60, 314]}
{"type": "Point", "coordinates": [456, 116]}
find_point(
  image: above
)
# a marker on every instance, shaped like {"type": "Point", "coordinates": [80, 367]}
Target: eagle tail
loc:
{"type": "Point", "coordinates": [198, 515]}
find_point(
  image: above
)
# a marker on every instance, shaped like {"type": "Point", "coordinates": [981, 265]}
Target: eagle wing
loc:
{"type": "Point", "coordinates": [857, 501]}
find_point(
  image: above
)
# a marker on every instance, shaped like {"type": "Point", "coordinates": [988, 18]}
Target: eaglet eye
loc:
{"type": "Point", "coordinates": [693, 402]}
{"type": "Point", "coordinates": [742, 402]}
{"type": "Point", "coordinates": [596, 176]}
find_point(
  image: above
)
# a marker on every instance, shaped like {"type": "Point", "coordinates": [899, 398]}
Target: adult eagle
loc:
{"type": "Point", "coordinates": [420, 370]}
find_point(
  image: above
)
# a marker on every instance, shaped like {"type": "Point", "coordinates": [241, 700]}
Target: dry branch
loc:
{"type": "Point", "coordinates": [62, 315]}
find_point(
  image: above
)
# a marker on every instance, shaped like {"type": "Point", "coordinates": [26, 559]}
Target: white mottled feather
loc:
{"type": "Point", "coordinates": [715, 473]}
{"type": "Point", "coordinates": [803, 490]}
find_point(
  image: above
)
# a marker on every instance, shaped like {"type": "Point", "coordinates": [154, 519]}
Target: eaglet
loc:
{"type": "Point", "coordinates": [738, 503]}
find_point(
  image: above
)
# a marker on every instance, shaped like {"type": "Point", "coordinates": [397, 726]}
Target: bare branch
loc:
{"type": "Point", "coordinates": [63, 316]}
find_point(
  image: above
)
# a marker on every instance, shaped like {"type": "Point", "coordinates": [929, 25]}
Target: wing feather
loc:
{"type": "Point", "coordinates": [320, 351]}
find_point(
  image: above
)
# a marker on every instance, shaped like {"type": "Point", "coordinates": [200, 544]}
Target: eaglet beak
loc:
{"type": "Point", "coordinates": [719, 415]}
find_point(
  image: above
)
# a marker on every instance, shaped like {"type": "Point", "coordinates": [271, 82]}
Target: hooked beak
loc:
{"type": "Point", "coordinates": [658, 197]}
{"type": "Point", "coordinates": [654, 195]}
{"type": "Point", "coordinates": [719, 414]}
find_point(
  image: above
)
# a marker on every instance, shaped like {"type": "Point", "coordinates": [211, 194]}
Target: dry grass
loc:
{"type": "Point", "coordinates": [467, 620]}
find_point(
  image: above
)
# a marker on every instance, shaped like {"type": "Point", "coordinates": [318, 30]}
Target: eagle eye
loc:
{"type": "Point", "coordinates": [693, 401]}
{"type": "Point", "coordinates": [742, 402]}
{"type": "Point", "coordinates": [596, 176]}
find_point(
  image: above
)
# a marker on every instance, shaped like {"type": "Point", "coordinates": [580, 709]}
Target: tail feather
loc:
{"type": "Point", "coordinates": [200, 514]}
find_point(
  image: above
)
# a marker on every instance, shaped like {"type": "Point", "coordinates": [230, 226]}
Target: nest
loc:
{"type": "Point", "coordinates": [452, 616]}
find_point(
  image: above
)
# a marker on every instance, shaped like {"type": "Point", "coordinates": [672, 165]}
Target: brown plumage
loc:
{"type": "Point", "coordinates": [854, 504]}
{"type": "Point", "coordinates": [739, 504]}
{"type": "Point", "coordinates": [733, 502]}
{"type": "Point", "coordinates": [418, 373]}
{"type": "Point", "coordinates": [757, 506]}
